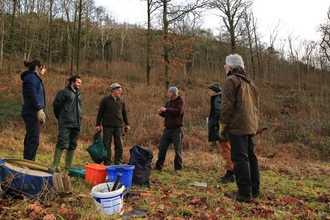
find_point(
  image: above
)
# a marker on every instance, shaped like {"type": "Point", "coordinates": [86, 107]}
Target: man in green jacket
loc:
{"type": "Point", "coordinates": [113, 115]}
{"type": "Point", "coordinates": [67, 109]}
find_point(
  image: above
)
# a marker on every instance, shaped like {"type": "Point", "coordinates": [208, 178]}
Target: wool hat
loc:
{"type": "Point", "coordinates": [173, 90]}
{"type": "Point", "coordinates": [114, 86]}
{"type": "Point", "coordinates": [215, 88]}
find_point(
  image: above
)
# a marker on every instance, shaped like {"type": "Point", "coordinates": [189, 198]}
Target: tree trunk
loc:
{"type": "Point", "coordinates": [78, 47]}
{"type": "Point", "coordinates": [166, 50]}
{"type": "Point", "coordinates": [12, 28]}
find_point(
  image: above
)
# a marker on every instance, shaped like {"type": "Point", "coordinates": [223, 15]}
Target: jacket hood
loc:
{"type": "Point", "coordinates": [240, 72]}
{"type": "Point", "coordinates": [27, 72]}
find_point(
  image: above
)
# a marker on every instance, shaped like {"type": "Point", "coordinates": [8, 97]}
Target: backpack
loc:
{"type": "Point", "coordinates": [141, 158]}
{"type": "Point", "coordinates": [97, 150]}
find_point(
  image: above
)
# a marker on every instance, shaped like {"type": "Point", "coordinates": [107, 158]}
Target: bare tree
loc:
{"type": "Point", "coordinates": [256, 38]}
{"type": "Point", "coordinates": [271, 50]}
{"type": "Point", "coordinates": [170, 15]}
{"type": "Point", "coordinates": [3, 15]}
{"type": "Point", "coordinates": [249, 20]}
{"type": "Point", "coordinates": [308, 48]}
{"type": "Point", "coordinates": [325, 31]}
{"type": "Point", "coordinates": [232, 14]}
{"type": "Point", "coordinates": [78, 37]}
{"type": "Point", "coordinates": [12, 28]}
{"type": "Point", "coordinates": [152, 6]}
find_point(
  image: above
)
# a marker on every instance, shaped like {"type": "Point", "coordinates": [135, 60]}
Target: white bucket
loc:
{"type": "Point", "coordinates": [109, 202]}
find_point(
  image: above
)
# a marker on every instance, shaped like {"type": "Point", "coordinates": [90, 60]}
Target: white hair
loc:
{"type": "Point", "coordinates": [234, 60]}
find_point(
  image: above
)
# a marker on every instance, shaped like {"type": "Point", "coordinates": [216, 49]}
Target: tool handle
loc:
{"type": "Point", "coordinates": [260, 130]}
{"type": "Point", "coordinates": [119, 186]}
{"type": "Point", "coordinates": [116, 183]}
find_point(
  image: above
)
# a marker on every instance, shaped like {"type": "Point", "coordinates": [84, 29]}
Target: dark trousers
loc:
{"type": "Point", "coordinates": [116, 133]}
{"type": "Point", "coordinates": [175, 136]}
{"type": "Point", "coordinates": [67, 138]}
{"type": "Point", "coordinates": [245, 164]}
{"type": "Point", "coordinates": [31, 140]}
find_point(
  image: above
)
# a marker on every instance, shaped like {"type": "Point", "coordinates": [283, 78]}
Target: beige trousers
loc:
{"type": "Point", "coordinates": [225, 153]}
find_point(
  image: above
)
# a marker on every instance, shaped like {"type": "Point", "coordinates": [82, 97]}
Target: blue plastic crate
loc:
{"type": "Point", "coordinates": [125, 170]}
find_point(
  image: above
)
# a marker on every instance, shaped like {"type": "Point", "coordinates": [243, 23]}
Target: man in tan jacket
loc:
{"type": "Point", "coordinates": [239, 117]}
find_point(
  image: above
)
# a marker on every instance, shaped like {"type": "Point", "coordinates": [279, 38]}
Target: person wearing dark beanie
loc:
{"type": "Point", "coordinates": [213, 128]}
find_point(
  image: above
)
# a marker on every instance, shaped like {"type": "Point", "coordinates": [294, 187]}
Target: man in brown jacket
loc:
{"type": "Point", "coordinates": [239, 117]}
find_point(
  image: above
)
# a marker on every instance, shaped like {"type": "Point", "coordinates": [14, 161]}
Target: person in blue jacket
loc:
{"type": "Point", "coordinates": [34, 106]}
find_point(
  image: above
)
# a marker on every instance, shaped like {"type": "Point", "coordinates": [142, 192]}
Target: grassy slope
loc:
{"type": "Point", "coordinates": [294, 177]}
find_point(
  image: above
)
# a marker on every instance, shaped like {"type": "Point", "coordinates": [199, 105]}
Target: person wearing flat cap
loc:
{"type": "Point", "coordinates": [213, 128]}
{"type": "Point", "coordinates": [173, 112]}
{"type": "Point", "coordinates": [113, 115]}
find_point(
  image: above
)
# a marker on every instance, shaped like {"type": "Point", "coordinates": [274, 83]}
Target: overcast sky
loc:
{"type": "Point", "coordinates": [295, 17]}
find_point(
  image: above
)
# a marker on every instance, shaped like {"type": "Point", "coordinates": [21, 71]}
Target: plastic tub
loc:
{"type": "Point", "coordinates": [125, 170]}
{"type": "Point", "coordinates": [95, 173]}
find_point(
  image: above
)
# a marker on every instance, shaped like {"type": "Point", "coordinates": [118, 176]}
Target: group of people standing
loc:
{"type": "Point", "coordinates": [67, 108]}
{"type": "Point", "coordinates": [232, 122]}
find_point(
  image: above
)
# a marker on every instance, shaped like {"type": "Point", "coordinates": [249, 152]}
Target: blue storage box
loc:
{"type": "Point", "coordinates": [125, 170]}
{"type": "Point", "coordinates": [17, 180]}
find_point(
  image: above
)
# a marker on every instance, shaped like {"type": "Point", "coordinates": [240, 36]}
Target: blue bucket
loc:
{"type": "Point", "coordinates": [125, 170]}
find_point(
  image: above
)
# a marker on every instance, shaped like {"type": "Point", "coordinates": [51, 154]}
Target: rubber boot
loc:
{"type": "Point", "coordinates": [57, 158]}
{"type": "Point", "coordinates": [68, 159]}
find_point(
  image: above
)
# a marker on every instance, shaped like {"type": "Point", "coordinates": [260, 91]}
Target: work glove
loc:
{"type": "Point", "coordinates": [126, 129]}
{"type": "Point", "coordinates": [41, 116]}
{"type": "Point", "coordinates": [223, 133]}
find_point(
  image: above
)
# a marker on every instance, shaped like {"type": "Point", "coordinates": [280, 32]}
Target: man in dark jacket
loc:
{"type": "Point", "coordinates": [173, 112]}
{"type": "Point", "coordinates": [113, 115]}
{"type": "Point", "coordinates": [67, 109]}
{"type": "Point", "coordinates": [213, 128]}
{"type": "Point", "coordinates": [33, 107]}
{"type": "Point", "coordinates": [239, 117]}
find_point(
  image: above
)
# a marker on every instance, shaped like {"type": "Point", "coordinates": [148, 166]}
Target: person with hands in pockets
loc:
{"type": "Point", "coordinates": [67, 107]}
{"type": "Point", "coordinates": [34, 106]}
{"type": "Point", "coordinates": [112, 114]}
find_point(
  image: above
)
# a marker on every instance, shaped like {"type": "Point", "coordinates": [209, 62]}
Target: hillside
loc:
{"type": "Point", "coordinates": [293, 152]}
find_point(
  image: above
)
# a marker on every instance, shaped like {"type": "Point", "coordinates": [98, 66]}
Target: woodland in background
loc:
{"type": "Point", "coordinates": [172, 49]}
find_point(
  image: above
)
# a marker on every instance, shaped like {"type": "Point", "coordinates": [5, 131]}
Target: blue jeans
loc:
{"type": "Point", "coordinates": [31, 140]}
{"type": "Point", "coordinates": [175, 136]}
{"type": "Point", "coordinates": [245, 164]}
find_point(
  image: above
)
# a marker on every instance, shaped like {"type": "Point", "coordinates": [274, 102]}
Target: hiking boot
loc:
{"type": "Point", "coordinates": [178, 171]}
{"type": "Point", "coordinates": [255, 195]}
{"type": "Point", "coordinates": [227, 178]}
{"type": "Point", "coordinates": [237, 197]}
{"type": "Point", "coordinates": [157, 168]}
